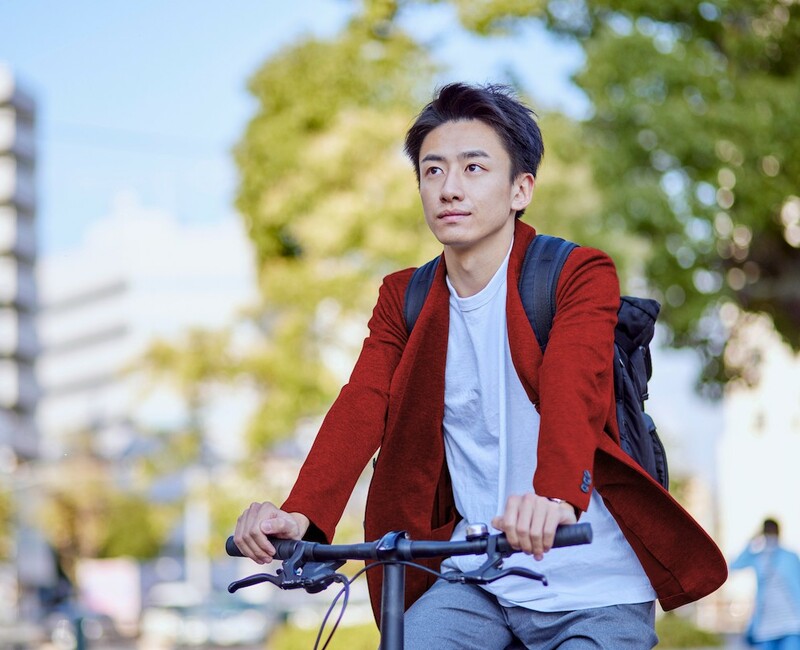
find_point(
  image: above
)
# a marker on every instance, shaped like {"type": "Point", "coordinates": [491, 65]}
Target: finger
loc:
{"type": "Point", "coordinates": [263, 526]}
{"type": "Point", "coordinates": [563, 513]}
{"type": "Point", "coordinates": [526, 524]}
{"type": "Point", "coordinates": [287, 525]}
{"type": "Point", "coordinates": [255, 543]}
{"type": "Point", "coordinates": [279, 525]}
{"type": "Point", "coordinates": [536, 527]}
{"type": "Point", "coordinates": [552, 518]}
{"type": "Point", "coordinates": [242, 533]}
{"type": "Point", "coordinates": [507, 521]}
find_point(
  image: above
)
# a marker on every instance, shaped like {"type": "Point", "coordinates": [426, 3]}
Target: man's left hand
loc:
{"type": "Point", "coordinates": [530, 522]}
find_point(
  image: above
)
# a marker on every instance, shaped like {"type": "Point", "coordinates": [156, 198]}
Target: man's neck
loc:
{"type": "Point", "coordinates": [470, 270]}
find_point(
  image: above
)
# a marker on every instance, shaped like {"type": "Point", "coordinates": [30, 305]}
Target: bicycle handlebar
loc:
{"type": "Point", "coordinates": [405, 549]}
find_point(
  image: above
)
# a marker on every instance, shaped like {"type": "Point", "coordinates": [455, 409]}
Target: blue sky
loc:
{"type": "Point", "coordinates": [148, 97]}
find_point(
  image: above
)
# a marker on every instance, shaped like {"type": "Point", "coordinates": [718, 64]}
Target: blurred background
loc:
{"type": "Point", "coordinates": [198, 202]}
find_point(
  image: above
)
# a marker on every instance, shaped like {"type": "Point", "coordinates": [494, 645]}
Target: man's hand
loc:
{"type": "Point", "coordinates": [262, 519]}
{"type": "Point", "coordinates": [530, 522]}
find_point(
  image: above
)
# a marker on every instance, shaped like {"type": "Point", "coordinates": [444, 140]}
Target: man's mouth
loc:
{"type": "Point", "coordinates": [452, 215]}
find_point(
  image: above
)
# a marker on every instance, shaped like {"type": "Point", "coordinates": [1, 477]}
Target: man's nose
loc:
{"type": "Point", "coordinates": [452, 188]}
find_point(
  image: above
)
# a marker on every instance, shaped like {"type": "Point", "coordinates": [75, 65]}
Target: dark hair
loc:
{"type": "Point", "coordinates": [771, 527]}
{"type": "Point", "coordinates": [493, 104]}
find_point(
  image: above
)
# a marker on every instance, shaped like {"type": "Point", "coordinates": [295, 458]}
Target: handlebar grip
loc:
{"type": "Point", "coordinates": [283, 547]}
{"type": "Point", "coordinates": [231, 548]}
{"type": "Point", "coordinates": [573, 535]}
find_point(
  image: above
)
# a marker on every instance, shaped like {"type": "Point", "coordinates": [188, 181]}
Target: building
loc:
{"type": "Point", "coordinates": [19, 392]}
{"type": "Point", "coordinates": [21, 574]}
{"type": "Point", "coordinates": [139, 276]}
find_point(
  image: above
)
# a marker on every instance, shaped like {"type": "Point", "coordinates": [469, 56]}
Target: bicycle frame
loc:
{"type": "Point", "coordinates": [311, 566]}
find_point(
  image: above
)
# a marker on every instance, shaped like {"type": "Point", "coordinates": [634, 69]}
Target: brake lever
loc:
{"type": "Point", "coordinates": [295, 573]}
{"type": "Point", "coordinates": [492, 569]}
{"type": "Point", "coordinates": [495, 574]}
{"type": "Point", "coordinates": [256, 579]}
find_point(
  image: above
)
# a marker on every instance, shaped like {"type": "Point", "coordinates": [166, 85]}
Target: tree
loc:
{"type": "Point", "coordinates": [199, 367]}
{"type": "Point", "coordinates": [696, 147]}
{"type": "Point", "coordinates": [329, 203]}
{"type": "Point", "coordinates": [88, 511]}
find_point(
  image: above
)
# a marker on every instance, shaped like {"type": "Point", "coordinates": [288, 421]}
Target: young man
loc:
{"type": "Point", "coordinates": [474, 424]}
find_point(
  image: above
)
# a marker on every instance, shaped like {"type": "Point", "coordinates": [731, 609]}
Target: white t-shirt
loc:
{"type": "Point", "coordinates": [491, 432]}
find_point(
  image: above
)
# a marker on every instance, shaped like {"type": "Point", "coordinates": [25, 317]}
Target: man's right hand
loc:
{"type": "Point", "coordinates": [262, 519]}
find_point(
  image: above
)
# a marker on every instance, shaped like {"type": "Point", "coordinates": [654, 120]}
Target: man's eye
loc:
{"type": "Point", "coordinates": [474, 167]}
{"type": "Point", "coordinates": [432, 171]}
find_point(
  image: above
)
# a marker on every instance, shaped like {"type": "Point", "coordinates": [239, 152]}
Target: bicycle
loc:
{"type": "Point", "coordinates": [312, 566]}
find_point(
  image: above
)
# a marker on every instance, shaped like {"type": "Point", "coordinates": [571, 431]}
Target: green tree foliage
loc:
{"type": "Point", "coordinates": [565, 193]}
{"type": "Point", "coordinates": [329, 203]}
{"type": "Point", "coordinates": [695, 143]}
{"type": "Point", "coordinates": [202, 358]}
{"type": "Point", "coordinates": [86, 512]}
{"type": "Point", "coordinates": [676, 631]}
{"type": "Point", "coordinates": [350, 637]}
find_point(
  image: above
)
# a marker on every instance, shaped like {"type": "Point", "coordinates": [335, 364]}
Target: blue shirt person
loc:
{"type": "Point", "coordinates": [775, 624]}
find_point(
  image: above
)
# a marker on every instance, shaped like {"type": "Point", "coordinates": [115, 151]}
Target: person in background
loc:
{"type": "Point", "coordinates": [775, 624]}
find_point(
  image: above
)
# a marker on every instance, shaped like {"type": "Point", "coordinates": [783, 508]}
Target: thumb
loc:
{"type": "Point", "coordinates": [271, 524]}
{"type": "Point", "coordinates": [278, 525]}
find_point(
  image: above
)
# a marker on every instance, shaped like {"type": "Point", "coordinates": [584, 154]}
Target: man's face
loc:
{"type": "Point", "coordinates": [467, 195]}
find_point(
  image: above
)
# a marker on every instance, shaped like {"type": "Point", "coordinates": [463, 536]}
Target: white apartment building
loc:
{"type": "Point", "coordinates": [139, 276]}
{"type": "Point", "coordinates": [18, 297]}
{"type": "Point", "coordinates": [20, 575]}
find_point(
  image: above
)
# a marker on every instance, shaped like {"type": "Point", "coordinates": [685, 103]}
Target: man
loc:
{"type": "Point", "coordinates": [775, 624]}
{"type": "Point", "coordinates": [475, 424]}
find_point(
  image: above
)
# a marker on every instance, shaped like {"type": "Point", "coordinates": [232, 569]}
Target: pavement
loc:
{"type": "Point", "coordinates": [20, 638]}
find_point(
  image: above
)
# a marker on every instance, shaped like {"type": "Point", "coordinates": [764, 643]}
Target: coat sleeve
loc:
{"type": "Point", "coordinates": [576, 377]}
{"type": "Point", "coordinates": [352, 430]}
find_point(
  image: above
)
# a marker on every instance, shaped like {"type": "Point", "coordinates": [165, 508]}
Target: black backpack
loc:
{"type": "Point", "coordinates": [636, 319]}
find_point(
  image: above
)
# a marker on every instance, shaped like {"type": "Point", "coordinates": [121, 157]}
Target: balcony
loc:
{"type": "Point", "coordinates": [17, 334]}
{"type": "Point", "coordinates": [17, 284]}
{"type": "Point", "coordinates": [19, 389]}
{"type": "Point", "coordinates": [19, 432]}
{"type": "Point", "coordinates": [17, 185]}
{"type": "Point", "coordinates": [17, 233]}
{"type": "Point", "coordinates": [16, 134]}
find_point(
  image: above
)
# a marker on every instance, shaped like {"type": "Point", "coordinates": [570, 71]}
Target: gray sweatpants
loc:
{"type": "Point", "coordinates": [458, 616]}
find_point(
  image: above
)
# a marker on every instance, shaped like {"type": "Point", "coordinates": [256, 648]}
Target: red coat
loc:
{"type": "Point", "coordinates": [395, 401]}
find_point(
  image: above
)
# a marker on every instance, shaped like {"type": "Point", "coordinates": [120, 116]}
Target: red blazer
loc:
{"type": "Point", "coordinates": [395, 401]}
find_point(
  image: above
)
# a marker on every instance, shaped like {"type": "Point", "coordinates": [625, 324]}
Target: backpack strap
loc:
{"type": "Point", "coordinates": [538, 281]}
{"type": "Point", "coordinates": [417, 290]}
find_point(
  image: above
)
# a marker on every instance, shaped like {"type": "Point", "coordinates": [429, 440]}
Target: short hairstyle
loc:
{"type": "Point", "coordinates": [493, 104]}
{"type": "Point", "coordinates": [771, 527]}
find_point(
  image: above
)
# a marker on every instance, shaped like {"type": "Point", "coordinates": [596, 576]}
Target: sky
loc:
{"type": "Point", "coordinates": [148, 97]}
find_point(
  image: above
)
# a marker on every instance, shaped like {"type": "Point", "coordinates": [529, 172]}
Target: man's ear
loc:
{"type": "Point", "coordinates": [522, 191]}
